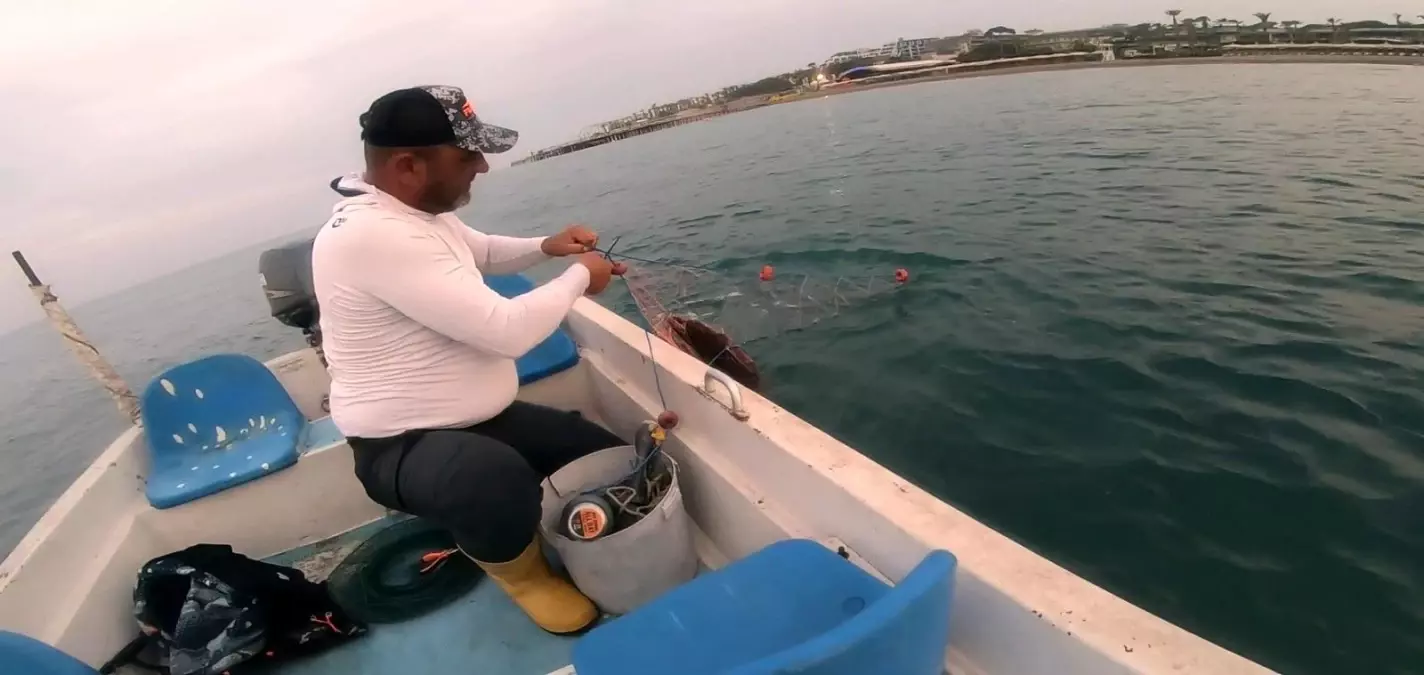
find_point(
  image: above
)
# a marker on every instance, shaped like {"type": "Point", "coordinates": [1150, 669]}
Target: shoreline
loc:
{"type": "Point", "coordinates": [1121, 63]}
{"type": "Point", "coordinates": [1018, 70]}
{"type": "Point", "coordinates": [1089, 65]}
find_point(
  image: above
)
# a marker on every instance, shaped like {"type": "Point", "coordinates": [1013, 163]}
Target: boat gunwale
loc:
{"type": "Point", "coordinates": [65, 504]}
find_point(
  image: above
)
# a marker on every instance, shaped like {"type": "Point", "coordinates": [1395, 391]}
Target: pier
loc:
{"type": "Point", "coordinates": [621, 134]}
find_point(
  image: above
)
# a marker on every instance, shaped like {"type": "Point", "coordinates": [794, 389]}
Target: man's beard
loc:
{"type": "Point", "coordinates": [437, 204]}
{"type": "Point", "coordinates": [462, 201]}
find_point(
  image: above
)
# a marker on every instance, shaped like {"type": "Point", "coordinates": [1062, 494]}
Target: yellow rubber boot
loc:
{"type": "Point", "coordinates": [551, 601]}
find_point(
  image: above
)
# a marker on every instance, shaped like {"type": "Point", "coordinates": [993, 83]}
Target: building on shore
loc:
{"type": "Point", "coordinates": [957, 44]}
{"type": "Point", "coordinates": [901, 48]}
{"type": "Point", "coordinates": [1202, 33]}
{"type": "Point", "coordinates": [1198, 36]}
{"type": "Point", "coordinates": [1145, 39]}
{"type": "Point", "coordinates": [659, 111]}
{"type": "Point", "coordinates": [1066, 40]}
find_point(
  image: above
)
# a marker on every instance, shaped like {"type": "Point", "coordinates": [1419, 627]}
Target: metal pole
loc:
{"type": "Point", "coordinates": [87, 354]}
{"type": "Point", "coordinates": [25, 267]}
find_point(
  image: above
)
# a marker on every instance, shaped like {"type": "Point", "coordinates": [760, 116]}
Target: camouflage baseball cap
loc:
{"type": "Point", "coordinates": [431, 115]}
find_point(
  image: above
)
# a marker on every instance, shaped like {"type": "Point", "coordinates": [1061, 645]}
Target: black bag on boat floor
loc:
{"type": "Point", "coordinates": [207, 610]}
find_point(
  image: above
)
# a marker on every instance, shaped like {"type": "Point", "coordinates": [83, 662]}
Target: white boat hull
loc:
{"type": "Point", "coordinates": [747, 484]}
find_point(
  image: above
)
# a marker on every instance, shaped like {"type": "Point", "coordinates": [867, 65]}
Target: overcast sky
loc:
{"type": "Point", "coordinates": [139, 137]}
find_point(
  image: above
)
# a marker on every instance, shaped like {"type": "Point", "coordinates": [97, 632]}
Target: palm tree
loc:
{"type": "Point", "coordinates": [996, 34]}
{"type": "Point", "coordinates": [1334, 28]}
{"type": "Point", "coordinates": [1398, 19]}
{"type": "Point", "coordinates": [1265, 26]}
{"type": "Point", "coordinates": [1290, 29]}
{"type": "Point", "coordinates": [1173, 13]}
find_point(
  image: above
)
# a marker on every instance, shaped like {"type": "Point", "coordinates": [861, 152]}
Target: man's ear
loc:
{"type": "Point", "coordinates": [409, 164]}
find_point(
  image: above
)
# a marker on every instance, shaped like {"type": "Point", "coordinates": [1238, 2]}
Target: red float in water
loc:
{"type": "Point", "coordinates": [767, 273]}
{"type": "Point", "coordinates": [902, 275]}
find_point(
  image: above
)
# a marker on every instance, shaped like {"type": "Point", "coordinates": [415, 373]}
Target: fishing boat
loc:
{"type": "Point", "coordinates": [754, 477]}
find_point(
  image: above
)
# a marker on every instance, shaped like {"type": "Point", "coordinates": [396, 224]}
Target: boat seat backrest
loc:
{"type": "Point", "coordinates": [216, 423]}
{"type": "Point", "coordinates": [21, 654]}
{"type": "Point", "coordinates": [905, 631]}
{"type": "Point", "coordinates": [793, 607]}
{"type": "Point", "coordinates": [555, 354]}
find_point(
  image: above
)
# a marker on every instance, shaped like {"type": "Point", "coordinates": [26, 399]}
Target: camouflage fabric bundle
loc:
{"type": "Point", "coordinates": [207, 610]}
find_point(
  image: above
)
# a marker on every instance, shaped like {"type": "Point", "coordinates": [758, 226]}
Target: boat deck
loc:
{"type": "Point", "coordinates": [482, 632]}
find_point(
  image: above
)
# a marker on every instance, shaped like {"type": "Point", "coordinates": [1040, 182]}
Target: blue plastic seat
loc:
{"type": "Point", "coordinates": [793, 607]}
{"type": "Point", "coordinates": [555, 354]}
{"type": "Point", "coordinates": [216, 423]}
{"type": "Point", "coordinates": [25, 655]}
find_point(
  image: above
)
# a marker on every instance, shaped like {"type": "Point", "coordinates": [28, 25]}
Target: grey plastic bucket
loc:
{"type": "Point", "coordinates": [631, 566]}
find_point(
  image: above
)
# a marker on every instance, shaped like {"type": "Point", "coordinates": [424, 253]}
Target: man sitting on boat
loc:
{"type": "Point", "coordinates": [422, 352]}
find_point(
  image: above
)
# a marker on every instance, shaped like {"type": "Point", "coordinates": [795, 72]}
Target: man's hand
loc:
{"type": "Point", "coordinates": [575, 239]}
{"type": "Point", "coordinates": [600, 271]}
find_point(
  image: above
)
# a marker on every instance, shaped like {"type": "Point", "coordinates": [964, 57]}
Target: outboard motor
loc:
{"type": "Point", "coordinates": [286, 274]}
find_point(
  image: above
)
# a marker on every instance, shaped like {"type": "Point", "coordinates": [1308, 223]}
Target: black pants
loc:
{"type": "Point", "coordinates": [482, 482]}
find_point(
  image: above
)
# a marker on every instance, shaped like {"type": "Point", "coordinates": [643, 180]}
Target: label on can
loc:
{"type": "Point", "coordinates": [587, 521]}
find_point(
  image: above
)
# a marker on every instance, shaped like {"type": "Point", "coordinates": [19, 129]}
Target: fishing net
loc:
{"type": "Point", "coordinates": [712, 315]}
{"type": "Point", "coordinates": [404, 571]}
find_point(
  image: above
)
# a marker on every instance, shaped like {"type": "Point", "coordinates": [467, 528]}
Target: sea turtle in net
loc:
{"type": "Point", "coordinates": [715, 348]}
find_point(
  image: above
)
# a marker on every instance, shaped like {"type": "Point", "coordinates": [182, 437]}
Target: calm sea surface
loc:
{"type": "Point", "coordinates": [1165, 324]}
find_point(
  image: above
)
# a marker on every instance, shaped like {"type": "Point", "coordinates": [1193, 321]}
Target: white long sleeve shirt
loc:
{"type": "Point", "coordinates": [414, 339]}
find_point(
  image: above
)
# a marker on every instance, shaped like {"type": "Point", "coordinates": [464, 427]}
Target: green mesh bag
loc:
{"type": "Point", "coordinates": [406, 570]}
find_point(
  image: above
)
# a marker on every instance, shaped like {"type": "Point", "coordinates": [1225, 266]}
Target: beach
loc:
{"type": "Point", "coordinates": [1093, 65]}
{"type": "Point", "coordinates": [1124, 63]}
